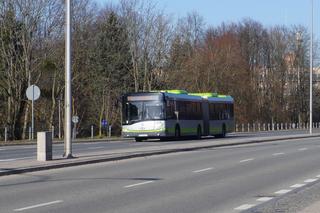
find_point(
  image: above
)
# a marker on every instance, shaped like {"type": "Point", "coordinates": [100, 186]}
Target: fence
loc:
{"type": "Point", "coordinates": [6, 133]}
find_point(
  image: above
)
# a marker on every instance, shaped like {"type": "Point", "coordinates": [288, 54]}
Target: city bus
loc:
{"type": "Point", "coordinates": [176, 113]}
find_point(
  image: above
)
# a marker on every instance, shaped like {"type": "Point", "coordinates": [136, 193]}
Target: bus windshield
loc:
{"type": "Point", "coordinates": [136, 111]}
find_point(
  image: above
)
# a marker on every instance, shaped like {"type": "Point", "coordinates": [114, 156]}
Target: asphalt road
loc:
{"type": "Point", "coordinates": [226, 179]}
{"type": "Point", "coordinates": [22, 152]}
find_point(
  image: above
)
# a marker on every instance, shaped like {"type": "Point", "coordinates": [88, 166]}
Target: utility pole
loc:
{"type": "Point", "coordinates": [68, 94]}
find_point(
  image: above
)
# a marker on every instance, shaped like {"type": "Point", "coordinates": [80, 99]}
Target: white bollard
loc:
{"type": "Point", "coordinates": [5, 134]}
{"type": "Point", "coordinates": [248, 127]}
{"type": "Point", "coordinates": [264, 127]}
{"type": "Point", "coordinates": [259, 129]}
{"type": "Point", "coordinates": [110, 128]}
{"type": "Point", "coordinates": [44, 146]}
{"type": "Point", "coordinates": [92, 131]}
{"type": "Point", "coordinates": [236, 127]}
{"type": "Point", "coordinates": [242, 130]}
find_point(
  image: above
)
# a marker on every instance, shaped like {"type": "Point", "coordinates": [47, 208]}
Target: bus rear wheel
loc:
{"type": "Point", "coordinates": [199, 132]}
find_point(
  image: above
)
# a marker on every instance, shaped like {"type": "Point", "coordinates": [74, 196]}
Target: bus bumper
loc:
{"type": "Point", "coordinates": [144, 134]}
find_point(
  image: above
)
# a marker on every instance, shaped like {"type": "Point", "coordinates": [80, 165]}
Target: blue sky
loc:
{"type": "Point", "coordinates": [268, 12]}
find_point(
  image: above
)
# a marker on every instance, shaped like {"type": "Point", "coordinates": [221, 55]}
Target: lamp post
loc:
{"type": "Point", "coordinates": [311, 69]}
{"type": "Point", "coordinates": [68, 95]}
{"type": "Point", "coordinates": [299, 42]}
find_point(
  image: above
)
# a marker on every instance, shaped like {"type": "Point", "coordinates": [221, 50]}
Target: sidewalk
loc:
{"type": "Point", "coordinates": [31, 165]}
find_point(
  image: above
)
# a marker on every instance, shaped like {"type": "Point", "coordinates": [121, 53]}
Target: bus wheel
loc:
{"type": "Point", "coordinates": [177, 132]}
{"type": "Point", "coordinates": [199, 132]}
{"type": "Point", "coordinates": [223, 132]}
{"type": "Point", "coordinates": [138, 139]}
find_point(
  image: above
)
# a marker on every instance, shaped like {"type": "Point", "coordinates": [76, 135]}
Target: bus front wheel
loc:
{"type": "Point", "coordinates": [138, 139]}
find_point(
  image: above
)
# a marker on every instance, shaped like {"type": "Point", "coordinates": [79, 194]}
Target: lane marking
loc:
{"type": "Point", "coordinates": [244, 207]}
{"type": "Point", "coordinates": [264, 199]}
{"type": "Point", "coordinates": [2, 149]}
{"type": "Point", "coordinates": [318, 176]}
{"type": "Point", "coordinates": [279, 153]}
{"type": "Point", "coordinates": [138, 184]}
{"type": "Point", "coordinates": [246, 160]}
{"type": "Point", "coordinates": [303, 149]}
{"type": "Point", "coordinates": [202, 170]}
{"type": "Point", "coordinates": [310, 180]}
{"type": "Point", "coordinates": [283, 191]}
{"type": "Point", "coordinates": [297, 185]}
{"type": "Point", "coordinates": [15, 159]}
{"type": "Point", "coordinates": [38, 205]}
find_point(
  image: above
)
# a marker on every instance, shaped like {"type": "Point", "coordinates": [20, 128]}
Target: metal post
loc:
{"type": "Point", "coordinates": [248, 127]}
{"type": "Point", "coordinates": [236, 127]}
{"type": "Point", "coordinates": [5, 134]}
{"type": "Point", "coordinates": [52, 133]}
{"type": "Point", "coordinates": [32, 114]}
{"type": "Point", "coordinates": [311, 68]}
{"type": "Point", "coordinates": [30, 130]}
{"type": "Point", "coordinates": [110, 130]}
{"type": "Point", "coordinates": [92, 131]}
{"type": "Point", "coordinates": [68, 95]}
{"type": "Point", "coordinates": [242, 125]}
{"type": "Point", "coordinates": [59, 118]}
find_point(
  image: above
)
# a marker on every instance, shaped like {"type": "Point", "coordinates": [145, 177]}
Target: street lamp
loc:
{"type": "Point", "coordinates": [68, 95]}
{"type": "Point", "coordinates": [311, 68]}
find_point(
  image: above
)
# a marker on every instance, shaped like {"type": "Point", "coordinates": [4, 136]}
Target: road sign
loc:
{"type": "Point", "coordinates": [104, 123]}
{"type": "Point", "coordinates": [75, 119]}
{"type": "Point", "coordinates": [33, 93]}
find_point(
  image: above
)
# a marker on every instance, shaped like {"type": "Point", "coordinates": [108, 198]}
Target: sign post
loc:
{"type": "Point", "coordinates": [33, 93]}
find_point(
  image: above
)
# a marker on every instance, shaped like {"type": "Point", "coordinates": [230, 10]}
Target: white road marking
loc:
{"type": "Point", "coordinates": [303, 149]}
{"type": "Point", "coordinates": [14, 159]}
{"type": "Point", "coordinates": [318, 176]}
{"type": "Point", "coordinates": [202, 170]}
{"type": "Point", "coordinates": [244, 207]}
{"type": "Point", "coordinates": [297, 185]}
{"type": "Point", "coordinates": [246, 160]}
{"type": "Point", "coordinates": [2, 149]}
{"type": "Point", "coordinates": [283, 191]}
{"type": "Point", "coordinates": [38, 205]}
{"type": "Point", "coordinates": [310, 180]}
{"type": "Point", "coordinates": [264, 199]}
{"type": "Point", "coordinates": [138, 184]}
{"type": "Point", "coordinates": [279, 153]}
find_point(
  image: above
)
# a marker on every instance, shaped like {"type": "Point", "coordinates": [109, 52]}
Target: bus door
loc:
{"type": "Point", "coordinates": [205, 116]}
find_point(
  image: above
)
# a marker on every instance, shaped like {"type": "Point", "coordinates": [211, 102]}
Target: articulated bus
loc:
{"type": "Point", "coordinates": [176, 113]}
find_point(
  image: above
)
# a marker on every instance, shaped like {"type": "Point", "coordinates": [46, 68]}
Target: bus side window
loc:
{"type": "Point", "coordinates": [170, 109]}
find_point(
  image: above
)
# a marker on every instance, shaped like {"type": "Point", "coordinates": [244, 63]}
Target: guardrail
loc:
{"type": "Point", "coordinates": [258, 127]}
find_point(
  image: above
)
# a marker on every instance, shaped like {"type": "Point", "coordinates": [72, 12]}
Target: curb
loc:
{"type": "Point", "coordinates": [86, 140]}
{"type": "Point", "coordinates": [141, 154]}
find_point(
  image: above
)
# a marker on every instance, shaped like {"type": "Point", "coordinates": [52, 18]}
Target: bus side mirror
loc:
{"type": "Point", "coordinates": [177, 114]}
